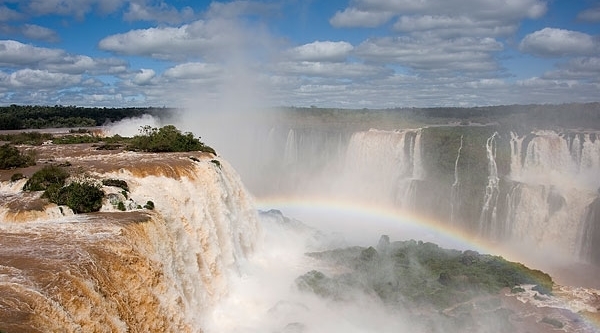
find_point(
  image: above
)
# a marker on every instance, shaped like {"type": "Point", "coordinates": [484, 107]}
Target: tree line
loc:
{"type": "Point", "coordinates": [16, 117]}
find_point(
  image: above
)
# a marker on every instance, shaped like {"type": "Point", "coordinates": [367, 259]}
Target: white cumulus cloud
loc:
{"type": "Point", "coordinates": [552, 42]}
{"type": "Point", "coordinates": [321, 51]}
{"type": "Point", "coordinates": [14, 53]}
{"type": "Point", "coordinates": [371, 13]}
{"type": "Point", "coordinates": [144, 77]}
{"type": "Point", "coordinates": [158, 13]}
{"type": "Point", "coordinates": [193, 70]}
{"type": "Point", "coordinates": [460, 54]}
{"type": "Point", "coordinates": [40, 33]}
{"type": "Point", "coordinates": [590, 15]}
{"type": "Point", "coordinates": [353, 17]}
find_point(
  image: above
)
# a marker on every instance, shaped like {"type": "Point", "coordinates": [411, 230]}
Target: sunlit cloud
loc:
{"type": "Point", "coordinates": [551, 42]}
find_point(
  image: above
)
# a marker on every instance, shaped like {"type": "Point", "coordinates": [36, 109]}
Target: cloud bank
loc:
{"type": "Point", "coordinates": [372, 53]}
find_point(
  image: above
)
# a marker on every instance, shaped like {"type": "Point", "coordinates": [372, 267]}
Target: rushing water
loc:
{"type": "Point", "coordinates": [202, 261]}
{"type": "Point", "coordinates": [133, 271]}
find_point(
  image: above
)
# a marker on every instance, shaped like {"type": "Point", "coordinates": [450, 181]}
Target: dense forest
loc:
{"type": "Point", "coordinates": [15, 117]}
{"type": "Point", "coordinates": [513, 117]}
{"type": "Point", "coordinates": [573, 115]}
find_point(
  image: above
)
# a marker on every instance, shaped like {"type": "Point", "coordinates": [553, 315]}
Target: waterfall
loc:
{"type": "Point", "coordinates": [132, 271]}
{"type": "Point", "coordinates": [589, 234]}
{"type": "Point", "coordinates": [455, 191]}
{"type": "Point", "coordinates": [555, 181]}
{"type": "Point", "coordinates": [290, 154]}
{"type": "Point", "coordinates": [487, 219]}
{"type": "Point", "coordinates": [381, 165]}
{"type": "Point", "coordinates": [418, 170]}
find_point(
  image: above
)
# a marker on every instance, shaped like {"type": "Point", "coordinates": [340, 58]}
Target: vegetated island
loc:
{"type": "Point", "coordinates": [460, 291]}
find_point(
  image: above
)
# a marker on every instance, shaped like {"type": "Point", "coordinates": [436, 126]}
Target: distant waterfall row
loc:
{"type": "Point", "coordinates": [536, 188]}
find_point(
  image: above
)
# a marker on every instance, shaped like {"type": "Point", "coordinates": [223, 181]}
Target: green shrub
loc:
{"type": "Point", "coordinates": [73, 139]}
{"type": "Point", "coordinates": [167, 139]}
{"type": "Point", "coordinates": [217, 163]}
{"type": "Point", "coordinates": [11, 157]}
{"type": "Point", "coordinates": [48, 176]}
{"type": "Point", "coordinates": [16, 176]}
{"type": "Point", "coordinates": [29, 138]}
{"type": "Point", "coordinates": [116, 183]}
{"type": "Point", "coordinates": [149, 205]}
{"type": "Point", "coordinates": [121, 206]}
{"type": "Point", "coordinates": [81, 197]}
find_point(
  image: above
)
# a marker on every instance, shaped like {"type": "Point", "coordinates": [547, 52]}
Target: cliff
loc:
{"type": "Point", "coordinates": [131, 270]}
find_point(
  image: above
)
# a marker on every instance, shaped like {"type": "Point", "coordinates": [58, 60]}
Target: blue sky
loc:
{"type": "Point", "coordinates": [327, 53]}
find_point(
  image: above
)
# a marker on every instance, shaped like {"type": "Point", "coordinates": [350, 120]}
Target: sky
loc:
{"type": "Point", "coordinates": [324, 53]}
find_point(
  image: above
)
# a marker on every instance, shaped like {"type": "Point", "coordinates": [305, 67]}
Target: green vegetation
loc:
{"type": "Point", "coordinates": [11, 157]}
{"type": "Point", "coordinates": [16, 176]}
{"type": "Point", "coordinates": [116, 183]}
{"type": "Point", "coordinates": [121, 206]}
{"type": "Point", "coordinates": [149, 205]}
{"type": "Point", "coordinates": [75, 139]}
{"type": "Point", "coordinates": [167, 139]}
{"type": "Point", "coordinates": [422, 273]}
{"type": "Point", "coordinates": [150, 139]}
{"type": "Point", "coordinates": [26, 138]}
{"type": "Point", "coordinates": [217, 163]}
{"type": "Point", "coordinates": [16, 117]}
{"type": "Point", "coordinates": [81, 197]}
{"type": "Point", "coordinates": [48, 177]}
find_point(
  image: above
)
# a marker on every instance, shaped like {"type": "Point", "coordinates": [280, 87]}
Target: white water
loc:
{"type": "Point", "coordinates": [557, 178]}
{"type": "Point", "coordinates": [381, 166]}
{"type": "Point", "coordinates": [159, 274]}
{"type": "Point", "coordinates": [455, 191]}
{"type": "Point", "coordinates": [553, 159]}
{"type": "Point", "coordinates": [488, 215]}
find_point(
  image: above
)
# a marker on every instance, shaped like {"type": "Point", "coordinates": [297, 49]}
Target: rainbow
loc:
{"type": "Point", "coordinates": [390, 219]}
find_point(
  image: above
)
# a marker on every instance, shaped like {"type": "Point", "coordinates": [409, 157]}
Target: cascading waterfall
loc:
{"type": "Point", "coordinates": [418, 169]}
{"type": "Point", "coordinates": [590, 233]}
{"type": "Point", "coordinates": [132, 271]}
{"type": "Point", "coordinates": [555, 177]}
{"type": "Point", "coordinates": [535, 184]}
{"type": "Point", "coordinates": [455, 192]}
{"type": "Point", "coordinates": [489, 210]}
{"type": "Point", "coordinates": [382, 165]}
{"type": "Point", "coordinates": [290, 154]}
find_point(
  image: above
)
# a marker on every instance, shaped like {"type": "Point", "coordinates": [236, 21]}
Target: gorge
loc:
{"type": "Point", "coordinates": [206, 260]}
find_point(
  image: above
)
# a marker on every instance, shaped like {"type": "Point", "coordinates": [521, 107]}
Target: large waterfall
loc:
{"type": "Point", "coordinates": [134, 271]}
{"type": "Point", "coordinates": [189, 264]}
{"type": "Point", "coordinates": [533, 188]}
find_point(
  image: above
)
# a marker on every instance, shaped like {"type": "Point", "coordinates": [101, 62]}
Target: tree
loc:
{"type": "Point", "coordinates": [48, 176]}
{"type": "Point", "coordinates": [11, 157]}
{"type": "Point", "coordinates": [81, 197]}
{"type": "Point", "coordinates": [167, 139]}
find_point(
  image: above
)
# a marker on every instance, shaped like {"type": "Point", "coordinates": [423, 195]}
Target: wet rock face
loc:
{"type": "Point", "coordinates": [590, 245]}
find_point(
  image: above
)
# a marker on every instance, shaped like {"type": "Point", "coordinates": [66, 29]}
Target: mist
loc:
{"type": "Point", "coordinates": [337, 175]}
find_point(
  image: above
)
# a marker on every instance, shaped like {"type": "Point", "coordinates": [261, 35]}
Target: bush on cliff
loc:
{"type": "Point", "coordinates": [81, 197]}
{"type": "Point", "coordinates": [167, 139]}
{"type": "Point", "coordinates": [11, 157]}
{"type": "Point", "coordinates": [48, 176]}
